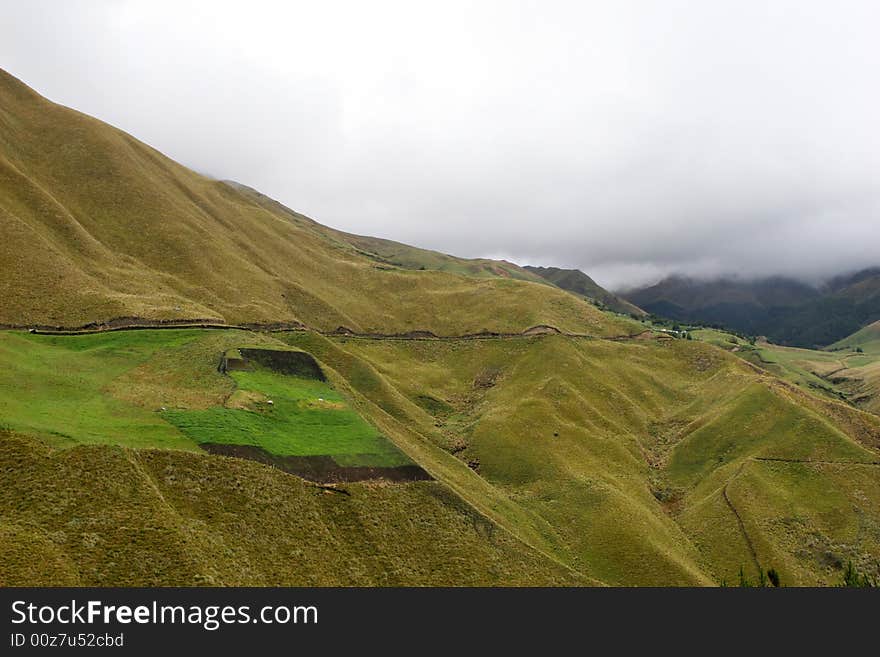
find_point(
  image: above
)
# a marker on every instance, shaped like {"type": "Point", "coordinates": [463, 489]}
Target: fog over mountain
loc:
{"type": "Point", "coordinates": [630, 139]}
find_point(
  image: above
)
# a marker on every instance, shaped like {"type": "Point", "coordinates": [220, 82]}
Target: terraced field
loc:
{"type": "Point", "coordinates": [101, 388]}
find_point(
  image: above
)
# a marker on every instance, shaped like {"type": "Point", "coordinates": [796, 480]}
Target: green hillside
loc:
{"type": "Point", "coordinates": [106, 227]}
{"type": "Point", "coordinates": [624, 462]}
{"type": "Point", "coordinates": [868, 338]}
{"type": "Point", "coordinates": [162, 389]}
{"type": "Point", "coordinates": [434, 441]}
{"type": "Point", "coordinates": [128, 517]}
{"type": "Point", "coordinates": [861, 374]}
{"type": "Point", "coordinates": [627, 458]}
{"type": "Point", "coordinates": [848, 370]}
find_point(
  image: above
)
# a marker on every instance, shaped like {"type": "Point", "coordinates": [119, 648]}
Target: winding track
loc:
{"type": "Point", "coordinates": [739, 519]}
{"type": "Point", "coordinates": [137, 324]}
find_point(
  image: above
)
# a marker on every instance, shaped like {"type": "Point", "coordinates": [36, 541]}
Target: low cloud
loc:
{"type": "Point", "coordinates": [628, 139]}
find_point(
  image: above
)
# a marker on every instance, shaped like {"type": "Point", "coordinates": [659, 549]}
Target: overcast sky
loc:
{"type": "Point", "coordinates": [627, 139]}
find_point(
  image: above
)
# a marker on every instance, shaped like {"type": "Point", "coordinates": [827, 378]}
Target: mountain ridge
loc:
{"type": "Point", "coordinates": [98, 225]}
{"type": "Point", "coordinates": [595, 451]}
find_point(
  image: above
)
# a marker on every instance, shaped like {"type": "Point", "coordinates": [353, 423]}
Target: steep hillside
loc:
{"type": "Point", "coordinates": [625, 462]}
{"type": "Point", "coordinates": [786, 311]}
{"type": "Point", "coordinates": [637, 462]}
{"type": "Point", "coordinates": [128, 517]}
{"type": "Point", "coordinates": [847, 371]}
{"type": "Point", "coordinates": [396, 254]}
{"type": "Point", "coordinates": [574, 280]}
{"type": "Point", "coordinates": [842, 373]}
{"type": "Point", "coordinates": [96, 225]}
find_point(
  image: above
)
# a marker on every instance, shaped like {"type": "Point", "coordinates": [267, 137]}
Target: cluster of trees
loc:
{"type": "Point", "coordinates": [813, 324]}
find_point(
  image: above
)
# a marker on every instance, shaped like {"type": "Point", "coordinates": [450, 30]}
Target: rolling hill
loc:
{"type": "Point", "coordinates": [435, 441]}
{"type": "Point", "coordinates": [630, 462]}
{"type": "Point", "coordinates": [97, 225]}
{"type": "Point", "coordinates": [786, 311]}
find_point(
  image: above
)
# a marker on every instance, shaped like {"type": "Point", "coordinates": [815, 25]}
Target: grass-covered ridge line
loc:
{"type": "Point", "coordinates": [109, 227]}
{"type": "Point", "coordinates": [578, 282]}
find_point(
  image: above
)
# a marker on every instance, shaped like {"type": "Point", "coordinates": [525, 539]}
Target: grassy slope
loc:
{"type": "Point", "coordinates": [82, 393]}
{"type": "Point", "coordinates": [803, 367]}
{"type": "Point", "coordinates": [409, 257]}
{"type": "Point", "coordinates": [628, 461]}
{"type": "Point", "coordinates": [868, 338]}
{"type": "Point", "coordinates": [101, 389]}
{"type": "Point", "coordinates": [615, 457]}
{"type": "Point", "coordinates": [54, 388]}
{"type": "Point", "coordinates": [151, 517]}
{"type": "Point", "coordinates": [306, 418]}
{"type": "Point", "coordinates": [97, 225]}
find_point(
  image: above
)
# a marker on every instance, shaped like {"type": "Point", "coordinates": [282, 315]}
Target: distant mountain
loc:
{"type": "Point", "coordinates": [574, 280]}
{"type": "Point", "coordinates": [549, 460]}
{"type": "Point", "coordinates": [787, 311]}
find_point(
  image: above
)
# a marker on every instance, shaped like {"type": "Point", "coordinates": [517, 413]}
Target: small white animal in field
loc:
{"type": "Point", "coordinates": [270, 402]}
